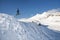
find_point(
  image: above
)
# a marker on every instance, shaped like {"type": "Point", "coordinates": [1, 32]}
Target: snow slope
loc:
{"type": "Point", "coordinates": [12, 29]}
{"type": "Point", "coordinates": [50, 18]}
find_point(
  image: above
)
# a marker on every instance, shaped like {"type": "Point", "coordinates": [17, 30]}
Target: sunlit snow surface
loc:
{"type": "Point", "coordinates": [12, 29]}
{"type": "Point", "coordinates": [50, 18]}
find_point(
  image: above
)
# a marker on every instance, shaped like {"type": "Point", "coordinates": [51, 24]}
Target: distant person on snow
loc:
{"type": "Point", "coordinates": [17, 12]}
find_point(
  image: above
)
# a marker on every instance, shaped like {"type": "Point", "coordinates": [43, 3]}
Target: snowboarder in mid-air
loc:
{"type": "Point", "coordinates": [17, 12]}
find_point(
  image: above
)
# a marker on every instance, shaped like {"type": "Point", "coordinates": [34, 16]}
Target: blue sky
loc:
{"type": "Point", "coordinates": [27, 8]}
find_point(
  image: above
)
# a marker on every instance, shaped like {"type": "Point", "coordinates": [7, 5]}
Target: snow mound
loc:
{"type": "Point", "coordinates": [8, 27]}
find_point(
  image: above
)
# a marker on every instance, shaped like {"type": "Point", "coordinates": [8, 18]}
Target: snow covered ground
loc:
{"type": "Point", "coordinates": [50, 18]}
{"type": "Point", "coordinates": [29, 29]}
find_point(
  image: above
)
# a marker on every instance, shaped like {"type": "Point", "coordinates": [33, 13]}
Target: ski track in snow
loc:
{"type": "Point", "coordinates": [12, 29]}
